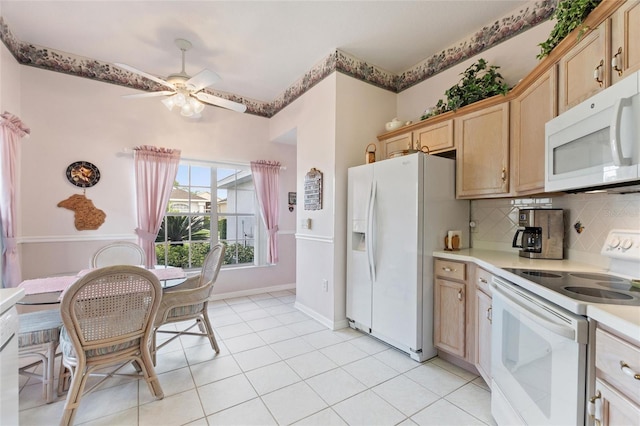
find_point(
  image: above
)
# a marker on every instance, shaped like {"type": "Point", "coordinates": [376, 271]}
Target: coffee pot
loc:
{"type": "Point", "coordinates": [542, 233]}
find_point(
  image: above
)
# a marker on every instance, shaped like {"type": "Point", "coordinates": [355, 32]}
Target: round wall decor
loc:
{"type": "Point", "coordinates": [83, 174]}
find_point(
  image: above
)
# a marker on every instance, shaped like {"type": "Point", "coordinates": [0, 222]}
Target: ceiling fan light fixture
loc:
{"type": "Point", "coordinates": [180, 100]}
{"type": "Point", "coordinates": [186, 110]}
{"type": "Point", "coordinates": [196, 105]}
{"type": "Point", "coordinates": [169, 102]}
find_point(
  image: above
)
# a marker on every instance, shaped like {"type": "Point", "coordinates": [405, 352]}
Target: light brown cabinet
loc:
{"type": "Point", "coordinates": [604, 56]}
{"type": "Point", "coordinates": [616, 400]}
{"type": "Point", "coordinates": [483, 320]}
{"type": "Point", "coordinates": [436, 138]}
{"type": "Point", "coordinates": [451, 309]}
{"type": "Point", "coordinates": [584, 70]}
{"type": "Point", "coordinates": [396, 143]}
{"type": "Point", "coordinates": [482, 146]}
{"type": "Point", "coordinates": [530, 110]}
{"type": "Point", "coordinates": [625, 40]}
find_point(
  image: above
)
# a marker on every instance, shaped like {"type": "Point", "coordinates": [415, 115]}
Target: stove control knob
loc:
{"type": "Point", "coordinates": [626, 244]}
{"type": "Point", "coordinates": [613, 243]}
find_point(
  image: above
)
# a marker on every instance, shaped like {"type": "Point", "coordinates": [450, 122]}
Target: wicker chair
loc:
{"type": "Point", "coordinates": [119, 253]}
{"type": "Point", "coordinates": [189, 301]}
{"type": "Point", "coordinates": [107, 318]}
{"type": "Point", "coordinates": [38, 337]}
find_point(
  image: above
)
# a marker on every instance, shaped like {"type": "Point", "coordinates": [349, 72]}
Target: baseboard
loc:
{"type": "Point", "coordinates": [331, 325]}
{"type": "Point", "coordinates": [252, 292]}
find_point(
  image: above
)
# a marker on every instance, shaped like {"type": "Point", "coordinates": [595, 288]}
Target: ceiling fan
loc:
{"type": "Point", "coordinates": [186, 91]}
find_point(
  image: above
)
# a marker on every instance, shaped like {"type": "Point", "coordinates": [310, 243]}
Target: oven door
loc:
{"type": "Point", "coordinates": [538, 360]}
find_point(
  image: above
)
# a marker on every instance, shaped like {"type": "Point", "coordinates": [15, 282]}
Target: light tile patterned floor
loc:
{"type": "Point", "coordinates": [277, 366]}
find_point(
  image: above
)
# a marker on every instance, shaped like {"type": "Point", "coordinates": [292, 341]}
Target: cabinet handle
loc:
{"type": "Point", "coordinates": [616, 62]}
{"type": "Point", "coordinates": [597, 73]}
{"type": "Point", "coordinates": [447, 269]}
{"type": "Point", "coordinates": [503, 175]}
{"type": "Point", "coordinates": [628, 371]}
{"type": "Point", "coordinates": [594, 409]}
{"type": "Point", "coordinates": [490, 314]}
{"type": "Point", "coordinates": [483, 281]}
{"type": "Point", "coordinates": [459, 294]}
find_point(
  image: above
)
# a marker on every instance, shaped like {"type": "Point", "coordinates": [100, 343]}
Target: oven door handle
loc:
{"type": "Point", "coordinates": [530, 311]}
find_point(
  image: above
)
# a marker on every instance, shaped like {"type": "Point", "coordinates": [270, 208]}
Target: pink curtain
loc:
{"type": "Point", "coordinates": [265, 178]}
{"type": "Point", "coordinates": [156, 170]}
{"type": "Point", "coordinates": [12, 129]}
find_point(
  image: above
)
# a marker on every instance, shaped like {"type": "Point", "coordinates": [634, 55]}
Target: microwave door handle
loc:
{"type": "Point", "coordinates": [614, 136]}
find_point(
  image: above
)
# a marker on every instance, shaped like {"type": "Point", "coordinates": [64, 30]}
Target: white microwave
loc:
{"type": "Point", "coordinates": [596, 144]}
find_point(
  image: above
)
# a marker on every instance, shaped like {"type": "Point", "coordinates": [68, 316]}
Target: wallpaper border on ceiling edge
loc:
{"type": "Point", "coordinates": [489, 36]}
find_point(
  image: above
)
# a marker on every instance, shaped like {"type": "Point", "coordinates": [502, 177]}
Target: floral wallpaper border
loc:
{"type": "Point", "coordinates": [501, 30]}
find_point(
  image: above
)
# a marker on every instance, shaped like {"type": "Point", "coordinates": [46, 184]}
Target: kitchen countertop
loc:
{"type": "Point", "coordinates": [9, 297]}
{"type": "Point", "coordinates": [624, 319]}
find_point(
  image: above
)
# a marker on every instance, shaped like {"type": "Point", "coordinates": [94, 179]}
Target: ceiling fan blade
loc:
{"type": "Point", "coordinates": [221, 102]}
{"type": "Point", "coordinates": [144, 74]}
{"type": "Point", "coordinates": [150, 94]}
{"type": "Point", "coordinates": [204, 78]}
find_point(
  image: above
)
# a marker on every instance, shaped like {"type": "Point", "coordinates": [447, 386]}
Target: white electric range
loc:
{"type": "Point", "coordinates": [541, 335]}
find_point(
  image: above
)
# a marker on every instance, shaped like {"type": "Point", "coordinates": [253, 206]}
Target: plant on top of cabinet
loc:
{"type": "Point", "coordinates": [479, 81]}
{"type": "Point", "coordinates": [568, 14]}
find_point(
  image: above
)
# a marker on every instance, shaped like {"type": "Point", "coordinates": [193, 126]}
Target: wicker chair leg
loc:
{"type": "Point", "coordinates": [146, 365]}
{"type": "Point", "coordinates": [204, 321]}
{"type": "Point", "coordinates": [78, 382]}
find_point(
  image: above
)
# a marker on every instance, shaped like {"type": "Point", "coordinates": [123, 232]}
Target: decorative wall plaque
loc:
{"type": "Point", "coordinates": [313, 190]}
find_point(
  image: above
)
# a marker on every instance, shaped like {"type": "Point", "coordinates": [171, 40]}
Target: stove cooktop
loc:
{"type": "Point", "coordinates": [585, 287]}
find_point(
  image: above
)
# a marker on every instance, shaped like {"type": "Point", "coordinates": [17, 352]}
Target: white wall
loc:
{"type": "Point", "coordinates": [9, 82]}
{"type": "Point", "coordinates": [334, 122]}
{"type": "Point", "coordinates": [516, 57]}
{"type": "Point", "coordinates": [79, 119]}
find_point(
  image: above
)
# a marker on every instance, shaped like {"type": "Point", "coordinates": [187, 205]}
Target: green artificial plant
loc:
{"type": "Point", "coordinates": [569, 14]}
{"type": "Point", "coordinates": [479, 81]}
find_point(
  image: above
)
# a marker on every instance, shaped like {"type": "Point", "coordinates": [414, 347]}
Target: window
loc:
{"type": "Point", "coordinates": [208, 204]}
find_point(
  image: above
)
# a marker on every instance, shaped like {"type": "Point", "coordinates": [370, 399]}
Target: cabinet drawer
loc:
{"type": "Point", "coordinates": [451, 269]}
{"type": "Point", "coordinates": [611, 354]}
{"type": "Point", "coordinates": [483, 280]}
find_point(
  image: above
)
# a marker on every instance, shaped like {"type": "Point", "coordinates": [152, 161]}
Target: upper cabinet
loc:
{"type": "Point", "coordinates": [436, 138]}
{"type": "Point", "coordinates": [584, 70]}
{"type": "Point", "coordinates": [530, 110]}
{"type": "Point", "coordinates": [605, 55]}
{"type": "Point", "coordinates": [396, 143]}
{"type": "Point", "coordinates": [625, 40]}
{"type": "Point", "coordinates": [482, 146]}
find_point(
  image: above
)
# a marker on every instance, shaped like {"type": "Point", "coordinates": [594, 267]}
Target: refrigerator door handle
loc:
{"type": "Point", "coordinates": [370, 236]}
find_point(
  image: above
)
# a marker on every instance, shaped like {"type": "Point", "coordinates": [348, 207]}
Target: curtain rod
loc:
{"type": "Point", "coordinates": [129, 153]}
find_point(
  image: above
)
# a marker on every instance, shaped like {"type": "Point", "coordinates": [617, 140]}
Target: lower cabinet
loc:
{"type": "Point", "coordinates": [462, 314]}
{"type": "Point", "coordinates": [453, 309]}
{"type": "Point", "coordinates": [616, 400]}
{"type": "Point", "coordinates": [483, 324]}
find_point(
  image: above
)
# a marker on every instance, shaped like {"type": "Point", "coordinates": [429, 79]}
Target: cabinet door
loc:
{"type": "Point", "coordinates": [438, 137]}
{"type": "Point", "coordinates": [529, 113]}
{"type": "Point", "coordinates": [449, 316]}
{"type": "Point", "coordinates": [396, 143]}
{"type": "Point", "coordinates": [612, 408]}
{"type": "Point", "coordinates": [579, 66]}
{"type": "Point", "coordinates": [625, 40]}
{"type": "Point", "coordinates": [482, 144]}
{"type": "Point", "coordinates": [483, 335]}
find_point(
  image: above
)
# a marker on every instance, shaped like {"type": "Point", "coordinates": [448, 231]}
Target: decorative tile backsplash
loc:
{"type": "Point", "coordinates": [595, 214]}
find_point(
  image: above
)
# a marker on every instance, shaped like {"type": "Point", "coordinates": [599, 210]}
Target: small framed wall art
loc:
{"type": "Point", "coordinates": [313, 190]}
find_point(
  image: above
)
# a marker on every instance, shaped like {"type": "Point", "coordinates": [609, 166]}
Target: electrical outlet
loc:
{"type": "Point", "coordinates": [325, 285]}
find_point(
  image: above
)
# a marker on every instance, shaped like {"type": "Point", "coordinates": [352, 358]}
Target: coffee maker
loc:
{"type": "Point", "coordinates": [542, 233]}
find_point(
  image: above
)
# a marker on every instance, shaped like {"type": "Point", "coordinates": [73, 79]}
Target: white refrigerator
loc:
{"type": "Point", "coordinates": [399, 212]}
